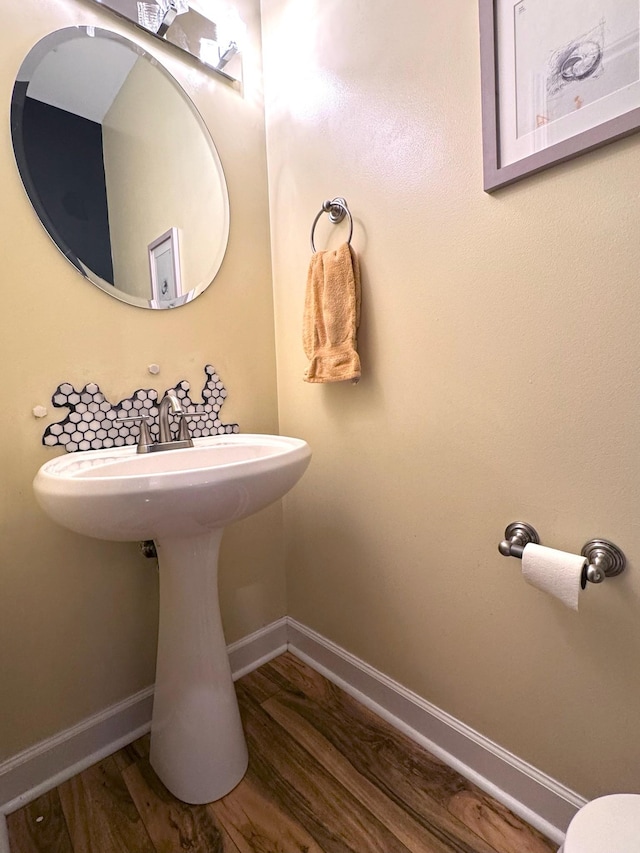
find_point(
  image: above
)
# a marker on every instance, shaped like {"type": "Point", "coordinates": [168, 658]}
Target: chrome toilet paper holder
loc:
{"type": "Point", "coordinates": [604, 559]}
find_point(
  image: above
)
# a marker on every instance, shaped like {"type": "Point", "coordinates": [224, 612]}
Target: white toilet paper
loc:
{"type": "Point", "coordinates": [556, 572]}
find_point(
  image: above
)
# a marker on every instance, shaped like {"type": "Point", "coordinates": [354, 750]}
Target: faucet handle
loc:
{"type": "Point", "coordinates": [191, 414]}
{"type": "Point", "coordinates": [183, 430]}
{"type": "Point", "coordinates": [144, 439]}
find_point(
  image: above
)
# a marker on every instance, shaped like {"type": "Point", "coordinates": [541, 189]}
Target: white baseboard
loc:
{"type": "Point", "coordinates": [50, 762]}
{"type": "Point", "coordinates": [538, 799]}
{"type": "Point", "coordinates": [263, 645]}
{"type": "Point", "coordinates": [40, 768]}
{"type": "Point", "coordinates": [26, 776]}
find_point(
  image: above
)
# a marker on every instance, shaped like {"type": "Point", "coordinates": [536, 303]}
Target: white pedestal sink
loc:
{"type": "Point", "coordinates": [182, 499]}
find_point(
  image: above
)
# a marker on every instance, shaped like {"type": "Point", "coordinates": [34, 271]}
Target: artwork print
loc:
{"type": "Point", "coordinates": [569, 55]}
{"type": "Point", "coordinates": [164, 265]}
{"type": "Point", "coordinates": [166, 282]}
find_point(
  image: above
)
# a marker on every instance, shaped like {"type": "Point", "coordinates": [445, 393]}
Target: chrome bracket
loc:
{"type": "Point", "coordinates": [516, 536]}
{"type": "Point", "coordinates": [336, 208]}
{"type": "Point", "coordinates": [606, 560]}
{"type": "Point", "coordinates": [168, 18]}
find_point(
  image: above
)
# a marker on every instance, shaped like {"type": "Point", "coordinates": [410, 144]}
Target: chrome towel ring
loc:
{"type": "Point", "coordinates": [337, 209]}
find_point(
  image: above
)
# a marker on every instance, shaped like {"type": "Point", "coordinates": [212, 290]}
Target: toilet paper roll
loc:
{"type": "Point", "coordinates": [556, 572]}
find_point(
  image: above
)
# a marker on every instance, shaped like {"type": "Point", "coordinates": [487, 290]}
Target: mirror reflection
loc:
{"type": "Point", "coordinates": [120, 167]}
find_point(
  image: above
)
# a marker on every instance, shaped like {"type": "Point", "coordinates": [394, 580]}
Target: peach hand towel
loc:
{"type": "Point", "coordinates": [332, 316]}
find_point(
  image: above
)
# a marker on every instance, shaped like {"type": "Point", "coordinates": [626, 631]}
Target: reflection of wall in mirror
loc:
{"type": "Point", "coordinates": [160, 174]}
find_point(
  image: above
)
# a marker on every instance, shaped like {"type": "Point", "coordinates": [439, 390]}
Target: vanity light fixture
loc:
{"type": "Point", "coordinates": [227, 55]}
{"type": "Point", "coordinates": [231, 35]}
{"type": "Point", "coordinates": [229, 40]}
{"type": "Point", "coordinates": [216, 43]}
{"type": "Point", "coordinates": [159, 15]}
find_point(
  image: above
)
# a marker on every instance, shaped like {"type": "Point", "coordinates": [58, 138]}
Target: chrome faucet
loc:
{"type": "Point", "coordinates": [166, 441]}
{"type": "Point", "coordinates": [169, 401]}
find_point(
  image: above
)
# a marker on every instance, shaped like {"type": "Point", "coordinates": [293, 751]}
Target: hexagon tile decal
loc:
{"type": "Point", "coordinates": [93, 423]}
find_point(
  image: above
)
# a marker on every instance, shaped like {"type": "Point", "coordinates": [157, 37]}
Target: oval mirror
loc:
{"type": "Point", "coordinates": [120, 167]}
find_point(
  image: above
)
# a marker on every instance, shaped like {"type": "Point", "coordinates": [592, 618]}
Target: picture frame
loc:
{"type": "Point", "coordinates": [559, 78]}
{"type": "Point", "coordinates": [164, 268]}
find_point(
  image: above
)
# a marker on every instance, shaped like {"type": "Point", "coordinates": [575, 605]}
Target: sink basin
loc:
{"type": "Point", "coordinates": [123, 495]}
{"type": "Point", "coordinates": [182, 499]}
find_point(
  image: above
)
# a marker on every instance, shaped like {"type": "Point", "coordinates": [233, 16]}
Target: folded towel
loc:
{"type": "Point", "coordinates": [332, 316]}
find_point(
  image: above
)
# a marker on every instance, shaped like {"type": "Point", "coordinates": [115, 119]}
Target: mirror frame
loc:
{"type": "Point", "coordinates": [31, 61]}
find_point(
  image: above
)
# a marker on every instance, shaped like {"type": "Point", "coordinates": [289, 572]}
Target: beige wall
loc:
{"type": "Point", "coordinates": [78, 616]}
{"type": "Point", "coordinates": [501, 371]}
{"type": "Point", "coordinates": [161, 173]}
{"type": "Point", "coordinates": [500, 357]}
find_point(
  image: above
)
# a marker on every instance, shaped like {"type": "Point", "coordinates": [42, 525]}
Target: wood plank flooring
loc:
{"type": "Point", "coordinates": [325, 776]}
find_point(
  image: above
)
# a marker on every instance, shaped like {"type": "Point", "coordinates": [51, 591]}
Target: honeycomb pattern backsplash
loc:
{"type": "Point", "coordinates": [92, 423]}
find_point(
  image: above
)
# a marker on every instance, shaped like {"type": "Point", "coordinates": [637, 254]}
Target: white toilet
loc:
{"type": "Point", "coordinates": [606, 825]}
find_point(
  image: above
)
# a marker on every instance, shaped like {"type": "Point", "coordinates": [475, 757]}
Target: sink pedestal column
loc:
{"type": "Point", "coordinates": [197, 744]}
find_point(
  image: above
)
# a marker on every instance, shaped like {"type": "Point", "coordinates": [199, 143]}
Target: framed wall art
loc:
{"type": "Point", "coordinates": [164, 266]}
{"type": "Point", "coordinates": [559, 78]}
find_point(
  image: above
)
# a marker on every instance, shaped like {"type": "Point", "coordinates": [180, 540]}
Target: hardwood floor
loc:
{"type": "Point", "coordinates": [325, 776]}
